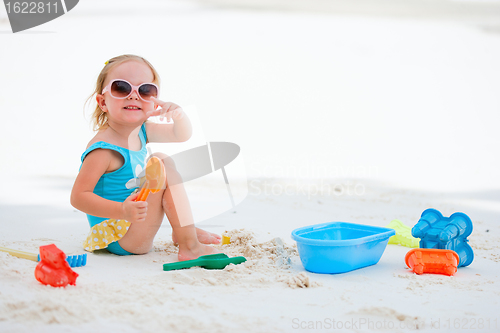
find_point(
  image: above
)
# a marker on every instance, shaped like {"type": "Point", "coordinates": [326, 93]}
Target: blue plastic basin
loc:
{"type": "Point", "coordinates": [340, 247]}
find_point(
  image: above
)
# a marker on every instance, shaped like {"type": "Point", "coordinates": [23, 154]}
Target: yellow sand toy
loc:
{"type": "Point", "coordinates": [403, 235]}
{"type": "Point", "coordinates": [226, 240]}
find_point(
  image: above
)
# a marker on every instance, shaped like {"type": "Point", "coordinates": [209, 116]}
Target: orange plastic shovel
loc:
{"type": "Point", "coordinates": [155, 178]}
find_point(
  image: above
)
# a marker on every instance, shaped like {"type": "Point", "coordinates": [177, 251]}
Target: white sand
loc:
{"type": "Point", "coordinates": [270, 292]}
{"type": "Point", "coordinates": [387, 114]}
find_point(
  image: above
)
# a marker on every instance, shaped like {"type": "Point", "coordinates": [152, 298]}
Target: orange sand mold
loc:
{"type": "Point", "coordinates": [434, 261]}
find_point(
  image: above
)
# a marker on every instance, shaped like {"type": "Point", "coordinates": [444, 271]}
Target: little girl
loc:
{"type": "Point", "coordinates": [126, 94]}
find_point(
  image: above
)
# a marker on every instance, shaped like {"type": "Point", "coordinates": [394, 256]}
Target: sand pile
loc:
{"type": "Point", "coordinates": [267, 263]}
{"type": "Point", "coordinates": [137, 294]}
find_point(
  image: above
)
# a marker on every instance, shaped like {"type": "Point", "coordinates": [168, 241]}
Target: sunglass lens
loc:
{"type": "Point", "coordinates": [147, 91]}
{"type": "Point", "coordinates": [120, 89]}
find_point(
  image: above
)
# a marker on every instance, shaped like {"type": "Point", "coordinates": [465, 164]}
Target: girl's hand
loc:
{"type": "Point", "coordinates": [134, 211]}
{"type": "Point", "coordinates": [167, 109]}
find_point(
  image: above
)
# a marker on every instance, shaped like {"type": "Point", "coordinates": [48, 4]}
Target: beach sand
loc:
{"type": "Point", "coordinates": [271, 292]}
{"type": "Point", "coordinates": [344, 111]}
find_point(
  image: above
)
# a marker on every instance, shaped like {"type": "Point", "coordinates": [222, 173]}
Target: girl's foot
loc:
{"type": "Point", "coordinates": [189, 253]}
{"type": "Point", "coordinates": [204, 237]}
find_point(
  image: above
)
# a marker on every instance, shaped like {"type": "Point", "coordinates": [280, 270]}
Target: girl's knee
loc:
{"type": "Point", "coordinates": [173, 177]}
{"type": "Point", "coordinates": [168, 162]}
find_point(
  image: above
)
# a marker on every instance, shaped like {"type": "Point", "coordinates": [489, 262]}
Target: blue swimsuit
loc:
{"type": "Point", "coordinates": [106, 232]}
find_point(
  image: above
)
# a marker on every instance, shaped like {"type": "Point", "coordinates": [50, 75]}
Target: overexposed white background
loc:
{"type": "Point", "coordinates": [411, 102]}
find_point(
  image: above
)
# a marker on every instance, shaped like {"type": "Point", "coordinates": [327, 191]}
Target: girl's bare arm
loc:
{"type": "Point", "coordinates": [96, 163]}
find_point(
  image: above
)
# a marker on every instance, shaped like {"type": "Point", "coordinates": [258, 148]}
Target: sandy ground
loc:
{"type": "Point", "coordinates": [271, 292]}
{"type": "Point", "coordinates": [388, 107]}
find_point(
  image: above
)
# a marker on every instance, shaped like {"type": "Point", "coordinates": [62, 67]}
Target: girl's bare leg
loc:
{"type": "Point", "coordinates": [178, 200]}
{"type": "Point", "coordinates": [140, 235]}
{"type": "Point", "coordinates": [139, 238]}
{"type": "Point", "coordinates": [178, 210]}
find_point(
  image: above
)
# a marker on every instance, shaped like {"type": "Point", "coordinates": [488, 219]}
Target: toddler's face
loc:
{"type": "Point", "coordinates": [131, 109]}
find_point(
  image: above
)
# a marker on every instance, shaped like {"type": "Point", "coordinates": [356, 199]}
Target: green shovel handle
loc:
{"type": "Point", "coordinates": [183, 264]}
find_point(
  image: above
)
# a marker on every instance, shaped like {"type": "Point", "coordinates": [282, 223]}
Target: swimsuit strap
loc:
{"type": "Point", "coordinates": [144, 136]}
{"type": "Point", "coordinates": [123, 151]}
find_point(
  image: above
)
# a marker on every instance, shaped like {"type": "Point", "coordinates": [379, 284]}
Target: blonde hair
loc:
{"type": "Point", "coordinates": [99, 117]}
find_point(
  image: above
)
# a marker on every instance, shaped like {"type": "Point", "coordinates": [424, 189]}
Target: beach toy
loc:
{"type": "Point", "coordinates": [432, 261]}
{"type": "Point", "coordinates": [73, 261]}
{"type": "Point", "coordinates": [403, 234]}
{"type": "Point", "coordinates": [340, 247]}
{"type": "Point", "coordinates": [225, 240]}
{"type": "Point", "coordinates": [53, 269]}
{"type": "Point", "coordinates": [210, 261]}
{"type": "Point", "coordinates": [446, 233]}
{"type": "Point", "coordinates": [154, 179]}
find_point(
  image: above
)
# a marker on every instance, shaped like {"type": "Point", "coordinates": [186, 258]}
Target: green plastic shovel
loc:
{"type": "Point", "coordinates": [210, 261]}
